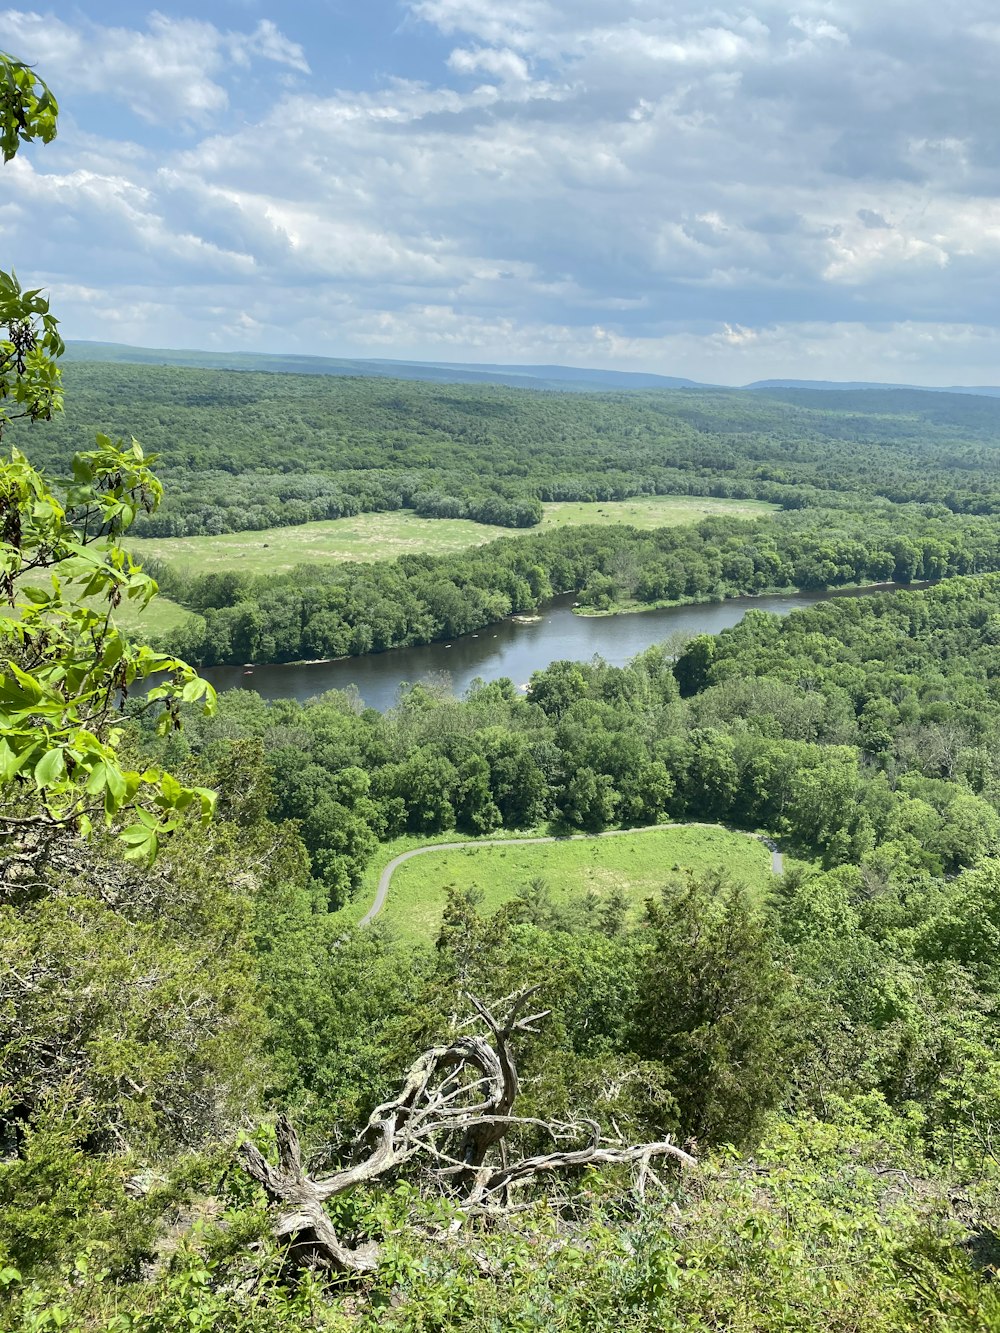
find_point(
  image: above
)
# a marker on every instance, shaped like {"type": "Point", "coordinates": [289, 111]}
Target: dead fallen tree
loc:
{"type": "Point", "coordinates": [455, 1110]}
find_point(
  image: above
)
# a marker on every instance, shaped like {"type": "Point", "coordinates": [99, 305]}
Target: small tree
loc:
{"type": "Point", "coordinates": [713, 1008]}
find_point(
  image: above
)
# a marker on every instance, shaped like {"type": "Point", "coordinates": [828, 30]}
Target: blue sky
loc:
{"type": "Point", "coordinates": [726, 192]}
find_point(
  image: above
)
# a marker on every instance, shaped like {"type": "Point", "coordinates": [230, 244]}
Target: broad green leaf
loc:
{"type": "Point", "coordinates": [142, 843]}
{"type": "Point", "coordinates": [50, 769]}
{"type": "Point", "coordinates": [117, 787]}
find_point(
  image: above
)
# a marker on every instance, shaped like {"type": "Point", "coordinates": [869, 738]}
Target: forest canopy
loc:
{"type": "Point", "coordinates": [240, 450]}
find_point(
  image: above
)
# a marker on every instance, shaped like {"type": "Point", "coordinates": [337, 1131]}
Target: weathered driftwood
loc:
{"type": "Point", "coordinates": [455, 1109]}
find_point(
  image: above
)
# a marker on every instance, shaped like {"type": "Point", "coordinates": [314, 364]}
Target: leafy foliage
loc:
{"type": "Point", "coordinates": [66, 662]}
{"type": "Point", "coordinates": [27, 108]}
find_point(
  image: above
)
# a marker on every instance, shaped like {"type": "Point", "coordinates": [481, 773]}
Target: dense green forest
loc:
{"type": "Point", "coordinates": [239, 450]}
{"type": "Point", "coordinates": [757, 1107]}
{"type": "Point", "coordinates": [829, 1049]}
{"type": "Point", "coordinates": [863, 731]}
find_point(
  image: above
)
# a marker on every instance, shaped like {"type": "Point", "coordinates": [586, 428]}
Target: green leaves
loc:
{"type": "Point", "coordinates": [66, 666]}
{"type": "Point", "coordinates": [27, 108]}
{"type": "Point", "coordinates": [142, 840]}
{"type": "Point", "coordinates": [50, 769]}
{"type": "Point", "coordinates": [29, 377]}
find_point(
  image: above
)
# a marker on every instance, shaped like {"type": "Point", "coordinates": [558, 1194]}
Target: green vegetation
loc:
{"type": "Point", "coordinates": [161, 619]}
{"type": "Point", "coordinates": [647, 512]}
{"type": "Point", "coordinates": [594, 876]}
{"type": "Point", "coordinates": [858, 742]}
{"type": "Point", "coordinates": [63, 573]}
{"type": "Point", "coordinates": [367, 537]}
{"type": "Point", "coordinates": [838, 1021]}
{"type": "Point", "coordinates": [206, 1119]}
{"type": "Point", "coordinates": [317, 611]}
{"type": "Point", "coordinates": [248, 451]}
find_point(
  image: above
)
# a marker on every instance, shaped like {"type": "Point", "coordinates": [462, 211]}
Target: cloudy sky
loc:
{"type": "Point", "coordinates": [798, 189]}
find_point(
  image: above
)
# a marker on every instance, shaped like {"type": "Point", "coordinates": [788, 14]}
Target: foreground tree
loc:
{"type": "Point", "coordinates": [457, 1111]}
{"type": "Point", "coordinates": [129, 1016]}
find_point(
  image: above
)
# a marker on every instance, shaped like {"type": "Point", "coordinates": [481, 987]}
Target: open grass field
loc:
{"type": "Point", "coordinates": [161, 616]}
{"type": "Point", "coordinates": [384, 536]}
{"type": "Point", "coordinates": [139, 624]}
{"type": "Point", "coordinates": [650, 511]}
{"type": "Point", "coordinates": [639, 863]}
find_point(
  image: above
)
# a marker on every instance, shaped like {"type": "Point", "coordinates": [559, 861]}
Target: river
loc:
{"type": "Point", "coordinates": [508, 649]}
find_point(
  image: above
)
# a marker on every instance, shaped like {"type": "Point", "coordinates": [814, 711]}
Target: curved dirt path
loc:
{"type": "Point", "coordinates": [385, 879]}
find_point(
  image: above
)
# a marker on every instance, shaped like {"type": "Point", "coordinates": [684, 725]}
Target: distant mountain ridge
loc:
{"type": "Point", "coordinates": [832, 386]}
{"type": "Point", "coordinates": [564, 378]}
{"type": "Point", "coordinates": [547, 377]}
{"type": "Point", "coordinates": [568, 376]}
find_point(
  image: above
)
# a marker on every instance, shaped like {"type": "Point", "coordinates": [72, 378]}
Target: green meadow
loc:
{"type": "Point", "coordinates": [384, 536]}
{"type": "Point", "coordinates": [159, 617]}
{"type": "Point", "coordinates": [639, 863]}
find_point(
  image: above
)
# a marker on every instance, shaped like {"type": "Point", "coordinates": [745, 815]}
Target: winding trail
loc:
{"type": "Point", "coordinates": [385, 879]}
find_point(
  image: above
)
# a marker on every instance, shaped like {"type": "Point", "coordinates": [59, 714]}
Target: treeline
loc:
{"type": "Point", "coordinates": [241, 450]}
{"type": "Point", "coordinates": [334, 611]}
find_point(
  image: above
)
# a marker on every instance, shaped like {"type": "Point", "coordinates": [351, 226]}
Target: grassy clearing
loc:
{"type": "Point", "coordinates": [160, 617]}
{"type": "Point", "coordinates": [639, 863]}
{"type": "Point", "coordinates": [653, 511]}
{"type": "Point", "coordinates": [352, 913]}
{"type": "Point", "coordinates": [141, 624]}
{"type": "Point", "coordinates": [384, 536]}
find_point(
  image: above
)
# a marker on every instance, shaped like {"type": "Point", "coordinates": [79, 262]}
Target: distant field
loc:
{"type": "Point", "coordinates": [654, 511]}
{"type": "Point", "coordinates": [140, 624]}
{"type": "Point", "coordinates": [384, 536]}
{"type": "Point", "coordinates": [639, 863]}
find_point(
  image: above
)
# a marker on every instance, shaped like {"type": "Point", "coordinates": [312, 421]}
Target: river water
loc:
{"type": "Point", "coordinates": [508, 649]}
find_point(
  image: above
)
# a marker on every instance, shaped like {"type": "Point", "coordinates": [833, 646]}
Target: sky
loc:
{"type": "Point", "coordinates": [723, 192]}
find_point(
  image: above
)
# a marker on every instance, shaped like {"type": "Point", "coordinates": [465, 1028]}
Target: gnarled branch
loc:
{"type": "Point", "coordinates": [456, 1106]}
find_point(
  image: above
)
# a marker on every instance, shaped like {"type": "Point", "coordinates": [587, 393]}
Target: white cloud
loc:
{"type": "Point", "coordinates": [502, 63]}
{"type": "Point", "coordinates": [514, 23]}
{"type": "Point", "coordinates": [267, 42]}
{"type": "Point", "coordinates": [819, 30]}
{"type": "Point", "coordinates": [707, 46]}
{"type": "Point", "coordinates": [170, 70]}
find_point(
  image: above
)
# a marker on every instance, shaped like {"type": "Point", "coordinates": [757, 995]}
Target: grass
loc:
{"type": "Point", "coordinates": [140, 624]}
{"type": "Point", "coordinates": [384, 536]}
{"type": "Point", "coordinates": [639, 863]}
{"type": "Point", "coordinates": [159, 617]}
{"type": "Point", "coordinates": [652, 511]}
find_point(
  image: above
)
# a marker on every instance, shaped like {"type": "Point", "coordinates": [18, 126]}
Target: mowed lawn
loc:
{"type": "Point", "coordinates": [639, 863]}
{"type": "Point", "coordinates": [383, 536]}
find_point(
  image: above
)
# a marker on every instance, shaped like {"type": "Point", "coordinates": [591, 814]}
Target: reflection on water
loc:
{"type": "Point", "coordinates": [507, 649]}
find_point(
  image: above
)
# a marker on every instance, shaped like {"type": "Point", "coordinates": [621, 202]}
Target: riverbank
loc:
{"type": "Point", "coordinates": [563, 601]}
{"type": "Point", "coordinates": [505, 649]}
{"type": "Point", "coordinates": [631, 608]}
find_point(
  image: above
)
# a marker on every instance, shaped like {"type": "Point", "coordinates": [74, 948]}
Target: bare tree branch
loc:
{"type": "Point", "coordinates": [456, 1109]}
